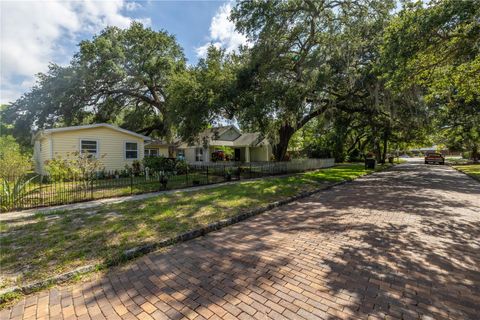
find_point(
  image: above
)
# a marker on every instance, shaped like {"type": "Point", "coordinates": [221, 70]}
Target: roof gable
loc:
{"type": "Point", "coordinates": [231, 134]}
{"type": "Point", "coordinates": [45, 132]}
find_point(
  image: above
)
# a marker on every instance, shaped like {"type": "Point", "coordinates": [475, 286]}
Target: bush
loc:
{"type": "Point", "coordinates": [136, 168]}
{"type": "Point", "coordinates": [316, 151]}
{"type": "Point", "coordinates": [59, 169]}
{"type": "Point", "coordinates": [12, 161]}
{"type": "Point", "coordinates": [157, 164]}
{"type": "Point", "coordinates": [81, 165]}
{"type": "Point", "coordinates": [181, 166]}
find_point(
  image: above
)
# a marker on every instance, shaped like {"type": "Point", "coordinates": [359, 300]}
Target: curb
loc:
{"type": "Point", "coordinates": [189, 235]}
{"type": "Point", "coordinates": [458, 170]}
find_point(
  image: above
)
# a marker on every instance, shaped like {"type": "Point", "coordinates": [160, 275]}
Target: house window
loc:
{"type": "Point", "coordinates": [89, 146]}
{"type": "Point", "coordinates": [181, 154]}
{"type": "Point", "coordinates": [151, 152]}
{"type": "Point", "coordinates": [131, 150]}
{"type": "Point", "coordinates": [198, 154]}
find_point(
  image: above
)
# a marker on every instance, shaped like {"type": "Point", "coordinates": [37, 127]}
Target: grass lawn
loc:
{"type": "Point", "coordinates": [472, 170]}
{"type": "Point", "coordinates": [51, 243]}
{"type": "Point", "coordinates": [456, 160]}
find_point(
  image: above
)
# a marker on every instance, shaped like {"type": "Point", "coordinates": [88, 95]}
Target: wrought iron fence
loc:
{"type": "Point", "coordinates": [23, 192]}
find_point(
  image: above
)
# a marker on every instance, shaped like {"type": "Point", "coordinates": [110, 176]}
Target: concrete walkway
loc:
{"type": "Point", "coordinates": [399, 244]}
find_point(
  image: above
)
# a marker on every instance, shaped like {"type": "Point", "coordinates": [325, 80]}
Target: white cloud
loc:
{"type": "Point", "coordinates": [223, 33]}
{"type": "Point", "coordinates": [131, 6]}
{"type": "Point", "coordinates": [35, 33]}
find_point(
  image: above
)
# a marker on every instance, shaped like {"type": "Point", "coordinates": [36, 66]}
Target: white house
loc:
{"type": "Point", "coordinates": [247, 147]}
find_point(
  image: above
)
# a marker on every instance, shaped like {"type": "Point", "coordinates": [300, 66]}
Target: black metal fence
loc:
{"type": "Point", "coordinates": [22, 192]}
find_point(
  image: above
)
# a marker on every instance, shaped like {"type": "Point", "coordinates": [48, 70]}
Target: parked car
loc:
{"type": "Point", "coordinates": [434, 158]}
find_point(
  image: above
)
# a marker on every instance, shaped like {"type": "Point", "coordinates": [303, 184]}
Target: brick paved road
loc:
{"type": "Point", "coordinates": [403, 243]}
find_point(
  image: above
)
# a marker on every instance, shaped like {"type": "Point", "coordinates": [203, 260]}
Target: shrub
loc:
{"type": "Point", "coordinates": [12, 161]}
{"type": "Point", "coordinates": [136, 168]}
{"type": "Point", "coordinates": [59, 169]}
{"type": "Point", "coordinates": [81, 165]}
{"type": "Point", "coordinates": [466, 155]}
{"type": "Point", "coordinates": [316, 151]}
{"type": "Point", "coordinates": [181, 166]}
{"type": "Point", "coordinates": [157, 164]}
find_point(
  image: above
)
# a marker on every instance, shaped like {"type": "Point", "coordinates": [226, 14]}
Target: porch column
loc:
{"type": "Point", "coordinates": [247, 154]}
{"type": "Point", "coordinates": [206, 154]}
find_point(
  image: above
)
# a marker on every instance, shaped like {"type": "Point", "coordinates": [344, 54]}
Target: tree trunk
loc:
{"type": "Point", "coordinates": [378, 152]}
{"type": "Point", "coordinates": [280, 149]}
{"type": "Point", "coordinates": [385, 145]}
{"type": "Point", "coordinates": [475, 154]}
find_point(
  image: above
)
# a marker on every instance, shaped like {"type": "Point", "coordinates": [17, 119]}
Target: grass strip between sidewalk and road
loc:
{"type": "Point", "coordinates": [473, 170]}
{"type": "Point", "coordinates": [48, 244]}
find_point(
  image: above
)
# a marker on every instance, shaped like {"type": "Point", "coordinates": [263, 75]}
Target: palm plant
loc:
{"type": "Point", "coordinates": [13, 191]}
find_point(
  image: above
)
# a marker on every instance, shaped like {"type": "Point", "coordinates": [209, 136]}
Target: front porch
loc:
{"type": "Point", "coordinates": [240, 154]}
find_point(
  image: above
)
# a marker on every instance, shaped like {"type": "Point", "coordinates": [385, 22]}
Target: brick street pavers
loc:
{"type": "Point", "coordinates": [401, 244]}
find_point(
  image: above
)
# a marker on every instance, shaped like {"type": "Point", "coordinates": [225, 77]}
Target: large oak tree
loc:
{"type": "Point", "coordinates": [436, 48]}
{"type": "Point", "coordinates": [120, 76]}
{"type": "Point", "coordinates": [307, 57]}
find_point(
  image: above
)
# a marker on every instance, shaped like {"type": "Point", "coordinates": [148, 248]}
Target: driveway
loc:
{"type": "Point", "coordinates": [403, 243]}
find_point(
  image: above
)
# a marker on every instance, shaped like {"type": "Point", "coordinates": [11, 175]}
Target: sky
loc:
{"type": "Point", "coordinates": [36, 33]}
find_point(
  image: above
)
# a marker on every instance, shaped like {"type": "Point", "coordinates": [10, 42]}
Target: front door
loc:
{"type": "Point", "coordinates": [237, 155]}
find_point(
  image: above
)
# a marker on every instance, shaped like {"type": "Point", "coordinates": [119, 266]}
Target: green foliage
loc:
{"type": "Point", "coordinates": [9, 297]}
{"type": "Point", "coordinates": [121, 76]}
{"type": "Point", "coordinates": [307, 58]}
{"type": "Point", "coordinates": [434, 50]}
{"type": "Point", "coordinates": [14, 189]}
{"type": "Point", "coordinates": [203, 94]}
{"type": "Point", "coordinates": [471, 170]}
{"type": "Point", "coordinates": [435, 46]}
{"type": "Point", "coordinates": [161, 164]}
{"type": "Point", "coordinates": [76, 165]}
{"type": "Point", "coordinates": [12, 161]}
{"type": "Point", "coordinates": [334, 77]}
{"type": "Point", "coordinates": [136, 167]}
{"type": "Point", "coordinates": [59, 169]}
{"type": "Point", "coordinates": [228, 153]}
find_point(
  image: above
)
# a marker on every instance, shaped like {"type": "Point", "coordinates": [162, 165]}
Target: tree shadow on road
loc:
{"type": "Point", "coordinates": [340, 254]}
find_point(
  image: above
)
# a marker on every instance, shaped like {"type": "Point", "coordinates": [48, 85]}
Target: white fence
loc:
{"type": "Point", "coordinates": [296, 165]}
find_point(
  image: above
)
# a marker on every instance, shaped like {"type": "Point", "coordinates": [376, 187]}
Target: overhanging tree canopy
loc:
{"type": "Point", "coordinates": [436, 48]}
{"type": "Point", "coordinates": [122, 76]}
{"type": "Point", "coordinates": [307, 57]}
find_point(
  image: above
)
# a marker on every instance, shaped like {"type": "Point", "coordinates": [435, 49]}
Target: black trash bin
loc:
{"type": "Point", "coordinates": [370, 163]}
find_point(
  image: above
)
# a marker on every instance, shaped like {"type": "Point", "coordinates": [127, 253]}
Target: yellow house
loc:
{"type": "Point", "coordinates": [116, 147]}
